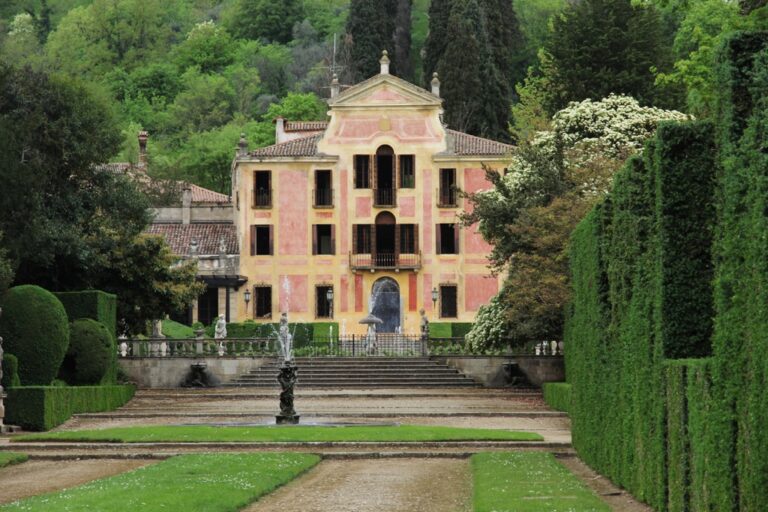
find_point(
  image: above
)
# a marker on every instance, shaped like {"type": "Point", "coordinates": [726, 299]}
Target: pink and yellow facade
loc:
{"type": "Point", "coordinates": [360, 214]}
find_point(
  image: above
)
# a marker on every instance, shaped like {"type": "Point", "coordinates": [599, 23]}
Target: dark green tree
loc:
{"type": "Point", "coordinates": [371, 25]}
{"type": "Point", "coordinates": [438, 37]}
{"type": "Point", "coordinates": [600, 47]}
{"type": "Point", "coordinates": [266, 19]}
{"type": "Point", "coordinates": [402, 39]}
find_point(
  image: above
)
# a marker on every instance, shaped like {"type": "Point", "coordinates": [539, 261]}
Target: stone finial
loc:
{"type": "Point", "coordinates": [143, 137]}
{"type": "Point", "coordinates": [242, 145]}
{"type": "Point", "coordinates": [335, 86]}
{"type": "Point", "coordinates": [193, 247]}
{"type": "Point", "coordinates": [384, 62]}
{"type": "Point", "coordinates": [435, 84]}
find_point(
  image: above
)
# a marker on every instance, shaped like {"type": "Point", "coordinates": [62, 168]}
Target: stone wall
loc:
{"type": "Point", "coordinates": [170, 372]}
{"type": "Point", "coordinates": [490, 371]}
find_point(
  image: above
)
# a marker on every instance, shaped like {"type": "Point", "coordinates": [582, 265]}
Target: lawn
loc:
{"type": "Point", "coordinates": [283, 434]}
{"type": "Point", "coordinates": [8, 458]}
{"type": "Point", "coordinates": [190, 483]}
{"type": "Point", "coordinates": [529, 482]}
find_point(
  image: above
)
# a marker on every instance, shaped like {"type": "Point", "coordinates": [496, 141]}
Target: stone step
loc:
{"type": "Point", "coordinates": [363, 371]}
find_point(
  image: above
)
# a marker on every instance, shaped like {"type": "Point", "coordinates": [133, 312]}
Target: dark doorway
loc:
{"type": "Point", "coordinates": [385, 177]}
{"type": "Point", "coordinates": [208, 306]}
{"type": "Point", "coordinates": [386, 254]}
{"type": "Point", "coordinates": [385, 297]}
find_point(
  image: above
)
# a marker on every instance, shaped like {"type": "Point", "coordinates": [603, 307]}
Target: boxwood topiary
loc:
{"type": "Point", "coordinates": [35, 329]}
{"type": "Point", "coordinates": [10, 371]}
{"type": "Point", "coordinates": [90, 355]}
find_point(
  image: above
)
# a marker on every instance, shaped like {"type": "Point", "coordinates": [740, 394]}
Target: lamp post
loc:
{"type": "Point", "coordinates": [435, 295]}
{"type": "Point", "coordinates": [247, 297]}
{"type": "Point", "coordinates": [329, 296]}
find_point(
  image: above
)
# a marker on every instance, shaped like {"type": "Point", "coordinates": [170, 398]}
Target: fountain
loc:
{"type": "Point", "coordinates": [287, 375]}
{"type": "Point", "coordinates": [370, 337]}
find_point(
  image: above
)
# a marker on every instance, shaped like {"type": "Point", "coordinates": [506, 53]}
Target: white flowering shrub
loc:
{"type": "Point", "coordinates": [489, 328]}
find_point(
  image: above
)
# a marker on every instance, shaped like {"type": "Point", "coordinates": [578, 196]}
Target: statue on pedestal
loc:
{"type": "Point", "coordinates": [424, 325]}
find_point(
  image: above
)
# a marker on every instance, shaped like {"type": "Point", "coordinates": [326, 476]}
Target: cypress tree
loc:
{"type": "Point", "coordinates": [437, 38]}
{"type": "Point", "coordinates": [600, 47]}
{"type": "Point", "coordinates": [402, 38]}
{"type": "Point", "coordinates": [371, 25]}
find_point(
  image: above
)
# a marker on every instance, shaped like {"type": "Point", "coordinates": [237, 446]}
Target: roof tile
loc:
{"type": "Point", "coordinates": [208, 237]}
{"type": "Point", "coordinates": [305, 146]}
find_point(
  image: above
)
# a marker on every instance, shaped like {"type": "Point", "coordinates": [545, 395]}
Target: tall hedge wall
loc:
{"type": "Point", "coordinates": [94, 304]}
{"type": "Point", "coordinates": [674, 246]}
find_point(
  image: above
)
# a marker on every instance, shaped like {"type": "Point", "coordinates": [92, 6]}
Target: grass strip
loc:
{"type": "Point", "coordinates": [281, 434]}
{"type": "Point", "coordinates": [8, 458]}
{"type": "Point", "coordinates": [189, 483]}
{"type": "Point", "coordinates": [529, 482]}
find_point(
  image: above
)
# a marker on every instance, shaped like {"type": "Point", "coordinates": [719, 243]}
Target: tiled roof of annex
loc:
{"type": "Point", "coordinates": [458, 143]}
{"type": "Point", "coordinates": [203, 195]}
{"type": "Point", "coordinates": [208, 237]}
{"type": "Point", "coordinates": [305, 126]}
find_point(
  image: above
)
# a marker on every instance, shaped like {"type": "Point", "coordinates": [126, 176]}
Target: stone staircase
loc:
{"type": "Point", "coordinates": [361, 372]}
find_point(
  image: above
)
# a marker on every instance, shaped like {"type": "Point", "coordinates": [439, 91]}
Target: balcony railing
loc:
{"type": "Point", "coordinates": [323, 197]}
{"type": "Point", "coordinates": [447, 197]}
{"type": "Point", "coordinates": [384, 261]}
{"type": "Point", "coordinates": [384, 197]}
{"type": "Point", "coordinates": [262, 198]}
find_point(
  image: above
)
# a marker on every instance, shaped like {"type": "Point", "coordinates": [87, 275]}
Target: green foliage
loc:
{"type": "Point", "coordinates": [460, 329]}
{"type": "Point", "coordinates": [289, 434]}
{"type": "Point", "coordinates": [45, 407]}
{"type": "Point", "coordinates": [6, 270]}
{"type": "Point", "coordinates": [177, 331]}
{"type": "Point", "coordinates": [208, 47]}
{"type": "Point", "coordinates": [10, 458]}
{"type": "Point", "coordinates": [267, 20]}
{"type": "Point", "coordinates": [371, 26]}
{"type": "Point", "coordinates": [557, 395]}
{"type": "Point", "coordinates": [440, 330]}
{"type": "Point", "coordinates": [528, 482]}
{"type": "Point", "coordinates": [10, 371]}
{"type": "Point", "coordinates": [321, 331]}
{"type": "Point", "coordinates": [91, 358]}
{"type": "Point", "coordinates": [95, 304]}
{"type": "Point", "coordinates": [35, 329]}
{"type": "Point", "coordinates": [221, 483]}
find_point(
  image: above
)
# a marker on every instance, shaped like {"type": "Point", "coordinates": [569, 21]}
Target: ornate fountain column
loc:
{"type": "Point", "coordinates": [287, 375]}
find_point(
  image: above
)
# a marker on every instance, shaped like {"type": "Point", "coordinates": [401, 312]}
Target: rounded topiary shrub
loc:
{"type": "Point", "coordinates": [10, 371]}
{"type": "Point", "coordinates": [35, 329]}
{"type": "Point", "coordinates": [91, 353]}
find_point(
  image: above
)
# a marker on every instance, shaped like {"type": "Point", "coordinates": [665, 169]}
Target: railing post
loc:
{"type": "Point", "coordinates": [353, 345]}
{"type": "Point", "coordinates": [199, 341]}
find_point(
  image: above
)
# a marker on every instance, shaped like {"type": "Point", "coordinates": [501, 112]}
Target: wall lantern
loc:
{"type": "Point", "coordinates": [435, 295]}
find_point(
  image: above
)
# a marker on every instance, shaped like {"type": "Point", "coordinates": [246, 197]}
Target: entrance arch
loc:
{"type": "Point", "coordinates": [385, 300]}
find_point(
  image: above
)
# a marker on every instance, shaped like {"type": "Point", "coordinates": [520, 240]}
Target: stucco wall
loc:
{"type": "Point", "coordinates": [170, 372]}
{"type": "Point", "coordinates": [490, 371]}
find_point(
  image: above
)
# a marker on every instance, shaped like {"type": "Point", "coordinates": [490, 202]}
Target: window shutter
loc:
{"type": "Point", "coordinates": [314, 238]}
{"type": "Point", "coordinates": [397, 238]}
{"type": "Point", "coordinates": [374, 167]}
{"type": "Point", "coordinates": [456, 239]}
{"type": "Point", "coordinates": [271, 240]}
{"type": "Point", "coordinates": [354, 239]}
{"type": "Point", "coordinates": [416, 239]}
{"type": "Point", "coordinates": [253, 240]}
{"type": "Point", "coordinates": [396, 164]}
{"type": "Point", "coordinates": [438, 238]}
{"type": "Point", "coordinates": [333, 239]}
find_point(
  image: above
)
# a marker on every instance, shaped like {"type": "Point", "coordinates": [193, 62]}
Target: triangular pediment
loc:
{"type": "Point", "coordinates": [385, 91]}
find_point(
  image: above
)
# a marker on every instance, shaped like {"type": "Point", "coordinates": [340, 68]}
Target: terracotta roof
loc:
{"type": "Point", "coordinates": [203, 195]}
{"type": "Point", "coordinates": [208, 236]}
{"type": "Point", "coordinates": [305, 146]}
{"type": "Point", "coordinates": [305, 126]}
{"type": "Point", "coordinates": [459, 143]}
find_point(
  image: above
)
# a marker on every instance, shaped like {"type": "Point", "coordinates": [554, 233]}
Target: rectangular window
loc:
{"type": "Point", "coordinates": [447, 238]}
{"type": "Point", "coordinates": [361, 238]}
{"type": "Point", "coordinates": [261, 240]}
{"type": "Point", "coordinates": [323, 241]}
{"type": "Point", "coordinates": [407, 174]}
{"type": "Point", "coordinates": [362, 171]}
{"type": "Point", "coordinates": [262, 189]}
{"type": "Point", "coordinates": [323, 189]}
{"type": "Point", "coordinates": [408, 244]}
{"type": "Point", "coordinates": [447, 193]}
{"type": "Point", "coordinates": [262, 302]}
{"type": "Point", "coordinates": [448, 301]}
{"type": "Point", "coordinates": [323, 304]}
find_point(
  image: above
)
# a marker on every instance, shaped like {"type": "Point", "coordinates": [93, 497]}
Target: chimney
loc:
{"type": "Point", "coordinates": [280, 129]}
{"type": "Point", "coordinates": [186, 205]}
{"type": "Point", "coordinates": [435, 85]}
{"type": "Point", "coordinates": [384, 62]}
{"type": "Point", "coordinates": [242, 146]}
{"type": "Point", "coordinates": [143, 136]}
{"type": "Point", "coordinates": [335, 86]}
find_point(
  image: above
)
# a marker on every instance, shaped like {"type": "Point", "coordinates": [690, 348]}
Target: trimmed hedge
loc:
{"type": "Point", "coordinates": [686, 434]}
{"type": "Point", "coordinates": [10, 371]}
{"type": "Point", "coordinates": [94, 304]}
{"type": "Point", "coordinates": [460, 329]}
{"type": "Point", "coordinates": [35, 329]}
{"type": "Point", "coordinates": [557, 395]}
{"type": "Point", "coordinates": [440, 330]}
{"type": "Point", "coordinates": [92, 355]}
{"type": "Point", "coordinates": [322, 330]}
{"type": "Point", "coordinates": [44, 407]}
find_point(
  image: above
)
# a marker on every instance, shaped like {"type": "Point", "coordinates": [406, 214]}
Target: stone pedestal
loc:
{"type": "Point", "coordinates": [287, 378]}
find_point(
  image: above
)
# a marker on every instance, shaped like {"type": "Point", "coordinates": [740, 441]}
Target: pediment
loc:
{"type": "Point", "coordinates": [385, 91]}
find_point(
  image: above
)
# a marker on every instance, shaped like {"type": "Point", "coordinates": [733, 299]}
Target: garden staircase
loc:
{"type": "Point", "coordinates": [361, 372]}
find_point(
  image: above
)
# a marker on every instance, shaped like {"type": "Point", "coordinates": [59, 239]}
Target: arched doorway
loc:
{"type": "Point", "coordinates": [385, 300]}
{"type": "Point", "coordinates": [385, 254]}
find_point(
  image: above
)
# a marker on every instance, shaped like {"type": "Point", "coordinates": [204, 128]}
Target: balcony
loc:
{"type": "Point", "coordinates": [447, 197]}
{"type": "Point", "coordinates": [387, 261]}
{"type": "Point", "coordinates": [384, 197]}
{"type": "Point", "coordinates": [322, 198]}
{"type": "Point", "coordinates": [262, 198]}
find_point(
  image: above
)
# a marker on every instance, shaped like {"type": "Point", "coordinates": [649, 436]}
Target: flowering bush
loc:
{"type": "Point", "coordinates": [490, 326]}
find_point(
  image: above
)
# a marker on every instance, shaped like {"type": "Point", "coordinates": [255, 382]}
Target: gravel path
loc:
{"type": "Point", "coordinates": [38, 477]}
{"type": "Point", "coordinates": [400, 485]}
